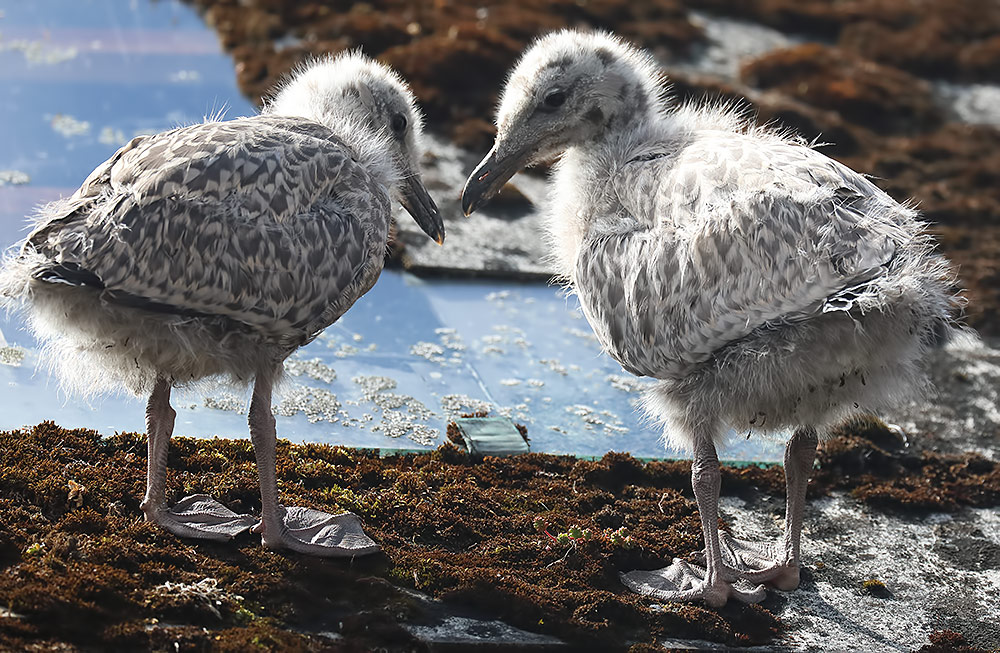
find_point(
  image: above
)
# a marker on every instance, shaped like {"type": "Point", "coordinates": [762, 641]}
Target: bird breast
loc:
{"type": "Point", "coordinates": [726, 236]}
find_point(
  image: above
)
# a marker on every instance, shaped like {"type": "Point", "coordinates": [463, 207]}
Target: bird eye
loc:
{"type": "Point", "coordinates": [399, 123]}
{"type": "Point", "coordinates": [555, 99]}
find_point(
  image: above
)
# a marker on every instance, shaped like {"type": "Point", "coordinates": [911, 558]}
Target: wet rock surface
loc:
{"type": "Point", "coordinates": [527, 548]}
{"type": "Point", "coordinates": [881, 81]}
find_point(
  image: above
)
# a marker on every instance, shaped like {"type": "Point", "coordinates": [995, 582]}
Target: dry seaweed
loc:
{"type": "Point", "coordinates": [537, 540]}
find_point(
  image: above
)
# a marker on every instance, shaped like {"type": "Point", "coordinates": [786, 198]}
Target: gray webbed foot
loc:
{"type": "Point", "coordinates": [757, 562]}
{"type": "Point", "coordinates": [200, 516]}
{"type": "Point", "coordinates": [683, 581]}
{"type": "Point", "coordinates": [317, 533]}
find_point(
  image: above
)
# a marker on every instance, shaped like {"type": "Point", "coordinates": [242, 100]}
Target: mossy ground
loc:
{"type": "Point", "coordinates": [80, 568]}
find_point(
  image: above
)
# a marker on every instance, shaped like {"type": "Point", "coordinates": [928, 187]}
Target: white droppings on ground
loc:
{"type": "Point", "coordinates": [554, 365]}
{"type": "Point", "coordinates": [317, 404]}
{"type": "Point", "coordinates": [38, 52]}
{"type": "Point", "coordinates": [625, 382]}
{"type": "Point", "coordinates": [593, 419]}
{"type": "Point", "coordinates": [402, 415]}
{"type": "Point", "coordinates": [69, 126]}
{"type": "Point", "coordinates": [12, 355]}
{"type": "Point", "coordinates": [429, 350]}
{"type": "Point", "coordinates": [450, 339]}
{"type": "Point", "coordinates": [448, 349]}
{"type": "Point", "coordinates": [314, 368]}
{"type": "Point", "coordinates": [518, 412]}
{"type": "Point", "coordinates": [582, 334]}
{"type": "Point", "coordinates": [458, 404]}
{"type": "Point", "coordinates": [13, 178]}
{"type": "Point", "coordinates": [498, 296]}
{"type": "Point", "coordinates": [510, 382]}
{"type": "Point", "coordinates": [184, 77]}
{"type": "Point", "coordinates": [371, 385]}
{"type": "Point", "coordinates": [225, 401]}
{"type": "Point", "coordinates": [343, 350]}
{"type": "Point", "coordinates": [111, 136]}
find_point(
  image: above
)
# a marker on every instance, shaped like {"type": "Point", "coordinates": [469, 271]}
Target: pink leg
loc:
{"type": "Point", "coordinates": [159, 427]}
{"type": "Point", "coordinates": [197, 516]}
{"type": "Point", "coordinates": [779, 565]}
{"type": "Point", "coordinates": [682, 581]}
{"type": "Point", "coordinates": [799, 457]}
{"type": "Point", "coordinates": [299, 529]}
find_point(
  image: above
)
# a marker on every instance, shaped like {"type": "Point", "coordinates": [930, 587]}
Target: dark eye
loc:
{"type": "Point", "coordinates": [399, 123]}
{"type": "Point", "coordinates": [555, 99]}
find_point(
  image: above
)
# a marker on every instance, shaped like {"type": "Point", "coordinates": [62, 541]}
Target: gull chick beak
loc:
{"type": "Point", "coordinates": [490, 175]}
{"type": "Point", "coordinates": [419, 204]}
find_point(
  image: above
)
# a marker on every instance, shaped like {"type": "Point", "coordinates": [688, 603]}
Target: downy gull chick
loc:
{"type": "Point", "coordinates": [764, 286]}
{"type": "Point", "coordinates": [219, 249]}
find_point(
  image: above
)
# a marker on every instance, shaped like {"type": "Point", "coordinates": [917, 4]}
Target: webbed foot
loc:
{"type": "Point", "coordinates": [317, 533]}
{"type": "Point", "coordinates": [199, 516]}
{"type": "Point", "coordinates": [683, 581]}
{"type": "Point", "coordinates": [757, 562]}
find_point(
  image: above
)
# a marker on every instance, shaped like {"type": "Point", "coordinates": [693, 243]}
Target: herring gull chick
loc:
{"type": "Point", "coordinates": [219, 249]}
{"type": "Point", "coordinates": [763, 285]}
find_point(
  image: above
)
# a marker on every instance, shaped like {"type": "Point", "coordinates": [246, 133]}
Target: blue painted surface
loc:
{"type": "Point", "coordinates": [143, 67]}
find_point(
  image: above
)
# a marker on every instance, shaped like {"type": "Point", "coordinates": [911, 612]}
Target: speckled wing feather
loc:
{"type": "Point", "coordinates": [734, 234]}
{"type": "Point", "coordinates": [263, 220]}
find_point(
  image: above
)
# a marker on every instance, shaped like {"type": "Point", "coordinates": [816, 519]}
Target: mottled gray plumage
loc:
{"type": "Point", "coordinates": [220, 248]}
{"type": "Point", "coordinates": [263, 228]}
{"type": "Point", "coordinates": [746, 249]}
{"type": "Point", "coordinates": [764, 285]}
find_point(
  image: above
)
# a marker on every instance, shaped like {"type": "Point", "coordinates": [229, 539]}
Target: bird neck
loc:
{"type": "Point", "coordinates": [584, 203]}
{"type": "Point", "coordinates": [372, 149]}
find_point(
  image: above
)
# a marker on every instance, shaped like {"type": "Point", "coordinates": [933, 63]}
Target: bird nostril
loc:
{"type": "Point", "coordinates": [483, 176]}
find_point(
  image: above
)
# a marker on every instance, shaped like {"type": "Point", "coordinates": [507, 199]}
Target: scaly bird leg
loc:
{"type": "Point", "coordinates": [682, 581]}
{"type": "Point", "coordinates": [299, 529]}
{"type": "Point", "coordinates": [197, 516]}
{"type": "Point", "coordinates": [779, 565]}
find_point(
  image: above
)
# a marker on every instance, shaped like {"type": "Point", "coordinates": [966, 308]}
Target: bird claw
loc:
{"type": "Point", "coordinates": [683, 581]}
{"type": "Point", "coordinates": [318, 533]}
{"type": "Point", "coordinates": [200, 516]}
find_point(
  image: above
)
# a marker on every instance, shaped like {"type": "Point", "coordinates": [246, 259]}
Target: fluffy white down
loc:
{"type": "Point", "coordinates": [134, 346]}
{"type": "Point", "coordinates": [315, 90]}
{"type": "Point", "coordinates": [809, 370]}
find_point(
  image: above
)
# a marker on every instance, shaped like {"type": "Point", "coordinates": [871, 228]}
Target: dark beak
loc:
{"type": "Point", "coordinates": [491, 174]}
{"type": "Point", "coordinates": [418, 203]}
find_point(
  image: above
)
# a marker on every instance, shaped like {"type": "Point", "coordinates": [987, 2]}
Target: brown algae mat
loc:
{"type": "Point", "coordinates": [536, 540]}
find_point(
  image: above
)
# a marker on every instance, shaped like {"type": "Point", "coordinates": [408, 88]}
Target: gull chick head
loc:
{"type": "Point", "coordinates": [569, 88]}
{"type": "Point", "coordinates": [373, 110]}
